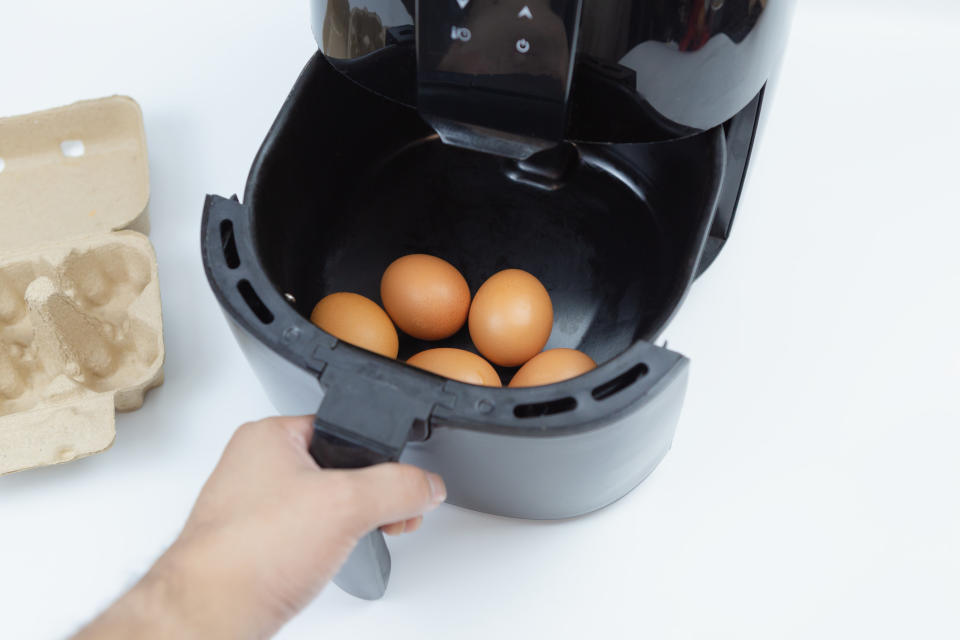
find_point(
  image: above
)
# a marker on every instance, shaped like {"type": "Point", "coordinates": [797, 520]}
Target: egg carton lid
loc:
{"type": "Point", "coordinates": [73, 170]}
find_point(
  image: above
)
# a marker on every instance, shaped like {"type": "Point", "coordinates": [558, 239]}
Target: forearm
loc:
{"type": "Point", "coordinates": [182, 596]}
{"type": "Point", "coordinates": [150, 610]}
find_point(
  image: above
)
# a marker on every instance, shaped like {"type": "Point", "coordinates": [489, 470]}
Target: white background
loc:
{"type": "Point", "coordinates": [813, 490]}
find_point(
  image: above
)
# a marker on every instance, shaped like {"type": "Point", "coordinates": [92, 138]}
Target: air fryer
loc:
{"type": "Point", "coordinates": [599, 144]}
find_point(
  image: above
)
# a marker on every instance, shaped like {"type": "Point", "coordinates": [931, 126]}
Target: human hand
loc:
{"type": "Point", "coordinates": [269, 530]}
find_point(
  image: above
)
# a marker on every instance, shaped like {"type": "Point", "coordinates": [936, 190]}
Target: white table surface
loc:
{"type": "Point", "coordinates": [814, 485]}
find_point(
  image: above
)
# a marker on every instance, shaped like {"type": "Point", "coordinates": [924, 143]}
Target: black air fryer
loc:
{"type": "Point", "coordinates": [600, 145]}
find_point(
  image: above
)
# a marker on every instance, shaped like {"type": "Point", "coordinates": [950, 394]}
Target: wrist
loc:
{"type": "Point", "coordinates": [153, 608]}
{"type": "Point", "coordinates": [184, 595]}
{"type": "Point", "coordinates": [194, 584]}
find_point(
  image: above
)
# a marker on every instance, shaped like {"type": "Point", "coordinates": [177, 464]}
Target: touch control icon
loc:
{"type": "Point", "coordinates": [460, 33]}
{"type": "Point", "coordinates": [523, 45]}
{"type": "Point", "coordinates": [525, 13]}
{"type": "Point", "coordinates": [463, 3]}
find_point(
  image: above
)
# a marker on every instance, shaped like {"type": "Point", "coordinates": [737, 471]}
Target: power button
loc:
{"type": "Point", "coordinates": [523, 45]}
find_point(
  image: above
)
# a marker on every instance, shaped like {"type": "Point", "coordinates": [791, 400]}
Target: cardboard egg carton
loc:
{"type": "Point", "coordinates": [81, 334]}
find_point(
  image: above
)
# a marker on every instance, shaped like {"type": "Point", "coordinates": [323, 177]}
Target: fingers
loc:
{"type": "Point", "coordinates": [399, 528]}
{"type": "Point", "coordinates": [394, 493]}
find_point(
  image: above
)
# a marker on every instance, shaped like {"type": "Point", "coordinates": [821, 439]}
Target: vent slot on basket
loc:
{"type": "Point", "coordinates": [621, 382]}
{"type": "Point", "coordinates": [254, 302]}
{"type": "Point", "coordinates": [229, 244]}
{"type": "Point", "coordinates": [540, 409]}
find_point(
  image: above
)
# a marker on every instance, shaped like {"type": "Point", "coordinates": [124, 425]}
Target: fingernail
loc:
{"type": "Point", "coordinates": [438, 489]}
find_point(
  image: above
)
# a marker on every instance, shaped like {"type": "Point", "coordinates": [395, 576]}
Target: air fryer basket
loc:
{"type": "Point", "coordinates": [347, 181]}
{"type": "Point", "coordinates": [347, 186]}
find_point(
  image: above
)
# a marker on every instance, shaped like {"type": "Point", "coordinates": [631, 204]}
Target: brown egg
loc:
{"type": "Point", "coordinates": [511, 318]}
{"type": "Point", "coordinates": [553, 366]}
{"type": "Point", "coordinates": [426, 296]}
{"type": "Point", "coordinates": [457, 364]}
{"type": "Point", "coordinates": [357, 320]}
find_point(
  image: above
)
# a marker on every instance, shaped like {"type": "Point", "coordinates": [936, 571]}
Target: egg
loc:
{"type": "Point", "coordinates": [359, 321]}
{"type": "Point", "coordinates": [457, 364]}
{"type": "Point", "coordinates": [511, 318]}
{"type": "Point", "coordinates": [553, 366]}
{"type": "Point", "coordinates": [426, 296]}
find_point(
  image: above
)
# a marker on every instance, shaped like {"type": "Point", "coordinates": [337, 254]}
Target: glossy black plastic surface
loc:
{"type": "Point", "coordinates": [497, 65]}
{"type": "Point", "coordinates": [643, 69]}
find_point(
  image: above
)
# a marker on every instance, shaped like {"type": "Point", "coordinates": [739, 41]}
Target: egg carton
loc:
{"type": "Point", "coordinates": [81, 333]}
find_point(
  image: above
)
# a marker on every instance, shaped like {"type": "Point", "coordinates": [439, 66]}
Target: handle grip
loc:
{"type": "Point", "coordinates": [363, 422]}
{"type": "Point", "coordinates": [366, 573]}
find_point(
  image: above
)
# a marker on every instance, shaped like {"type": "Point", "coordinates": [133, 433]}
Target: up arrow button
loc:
{"type": "Point", "coordinates": [463, 3]}
{"type": "Point", "coordinates": [524, 13]}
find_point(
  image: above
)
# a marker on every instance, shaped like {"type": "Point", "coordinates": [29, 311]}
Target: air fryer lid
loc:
{"type": "Point", "coordinates": [347, 181]}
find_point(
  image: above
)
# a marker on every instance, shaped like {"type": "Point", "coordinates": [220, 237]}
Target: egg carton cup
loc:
{"type": "Point", "coordinates": [81, 332]}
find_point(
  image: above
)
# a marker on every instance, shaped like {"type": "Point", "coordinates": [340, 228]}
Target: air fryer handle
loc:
{"type": "Point", "coordinates": [363, 422]}
{"type": "Point", "coordinates": [366, 573]}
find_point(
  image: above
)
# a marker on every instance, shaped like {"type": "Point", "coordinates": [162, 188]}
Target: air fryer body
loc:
{"type": "Point", "coordinates": [347, 181]}
{"type": "Point", "coordinates": [599, 144]}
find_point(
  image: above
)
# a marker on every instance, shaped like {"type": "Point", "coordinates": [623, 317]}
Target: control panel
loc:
{"type": "Point", "coordinates": [496, 68]}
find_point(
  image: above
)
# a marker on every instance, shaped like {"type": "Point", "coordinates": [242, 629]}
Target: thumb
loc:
{"type": "Point", "coordinates": [394, 492]}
